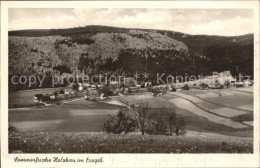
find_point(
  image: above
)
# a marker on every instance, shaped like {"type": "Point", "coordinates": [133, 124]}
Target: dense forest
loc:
{"type": "Point", "coordinates": [95, 50]}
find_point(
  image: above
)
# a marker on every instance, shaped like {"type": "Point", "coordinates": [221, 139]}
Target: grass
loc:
{"type": "Point", "coordinates": [38, 114]}
{"type": "Point", "coordinates": [94, 123]}
{"type": "Point", "coordinates": [25, 98]}
{"type": "Point", "coordinates": [234, 99]}
{"type": "Point", "coordinates": [244, 117]}
{"type": "Point", "coordinates": [201, 124]}
{"type": "Point", "coordinates": [55, 142]}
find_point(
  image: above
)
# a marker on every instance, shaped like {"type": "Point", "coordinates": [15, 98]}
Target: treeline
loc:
{"type": "Point", "coordinates": [67, 32]}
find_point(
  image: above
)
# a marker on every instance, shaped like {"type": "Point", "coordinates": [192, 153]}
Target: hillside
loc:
{"type": "Point", "coordinates": [121, 51]}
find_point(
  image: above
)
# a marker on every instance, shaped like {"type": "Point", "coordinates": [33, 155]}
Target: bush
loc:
{"type": "Point", "coordinates": [166, 122]}
{"type": "Point", "coordinates": [203, 86]}
{"type": "Point", "coordinates": [106, 90]}
{"type": "Point", "coordinates": [142, 85]}
{"type": "Point", "coordinates": [75, 86]}
{"type": "Point", "coordinates": [61, 91]}
{"type": "Point", "coordinates": [172, 88]}
{"type": "Point", "coordinates": [46, 98]}
{"type": "Point", "coordinates": [179, 125]}
{"type": "Point", "coordinates": [122, 122]}
{"type": "Point", "coordinates": [55, 93]}
{"type": "Point", "coordinates": [157, 128]}
{"type": "Point", "coordinates": [227, 83]}
{"type": "Point", "coordinates": [150, 89]}
{"type": "Point", "coordinates": [185, 87]}
{"type": "Point", "coordinates": [12, 129]}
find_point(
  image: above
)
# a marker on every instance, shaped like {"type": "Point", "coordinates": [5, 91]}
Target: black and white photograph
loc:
{"type": "Point", "coordinates": [137, 80]}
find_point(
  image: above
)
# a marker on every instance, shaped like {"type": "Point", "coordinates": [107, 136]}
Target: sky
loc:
{"type": "Point", "coordinates": [227, 22]}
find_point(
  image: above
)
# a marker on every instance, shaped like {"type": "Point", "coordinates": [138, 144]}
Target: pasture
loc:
{"type": "Point", "coordinates": [76, 116]}
{"type": "Point", "coordinates": [56, 142]}
{"type": "Point", "coordinates": [25, 98]}
{"type": "Point", "coordinates": [76, 126]}
{"type": "Point", "coordinates": [227, 97]}
{"type": "Point", "coordinates": [80, 115]}
{"type": "Point", "coordinates": [88, 116]}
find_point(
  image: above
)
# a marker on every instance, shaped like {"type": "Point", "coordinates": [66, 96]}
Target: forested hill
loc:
{"type": "Point", "coordinates": [112, 50]}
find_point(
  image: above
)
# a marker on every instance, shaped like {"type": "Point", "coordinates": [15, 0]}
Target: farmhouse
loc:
{"type": "Point", "coordinates": [38, 98]}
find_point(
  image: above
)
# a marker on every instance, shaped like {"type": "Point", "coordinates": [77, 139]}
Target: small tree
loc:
{"type": "Point", "coordinates": [106, 90]}
{"type": "Point", "coordinates": [66, 96]}
{"type": "Point", "coordinates": [172, 88]}
{"type": "Point", "coordinates": [176, 121]}
{"type": "Point", "coordinates": [141, 115]}
{"type": "Point", "coordinates": [156, 127]}
{"type": "Point", "coordinates": [122, 122]}
{"type": "Point", "coordinates": [61, 91]}
{"type": "Point", "coordinates": [179, 125]}
{"type": "Point", "coordinates": [56, 93]}
{"type": "Point", "coordinates": [171, 114]}
{"type": "Point", "coordinates": [75, 87]}
{"type": "Point", "coordinates": [185, 87]}
{"type": "Point", "coordinates": [227, 83]}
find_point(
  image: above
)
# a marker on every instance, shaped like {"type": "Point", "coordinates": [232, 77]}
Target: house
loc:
{"type": "Point", "coordinates": [80, 87]}
{"type": "Point", "coordinates": [69, 91]}
{"type": "Point", "coordinates": [38, 98]}
{"type": "Point", "coordinates": [52, 97]}
{"type": "Point", "coordinates": [93, 87]}
{"type": "Point", "coordinates": [147, 84]}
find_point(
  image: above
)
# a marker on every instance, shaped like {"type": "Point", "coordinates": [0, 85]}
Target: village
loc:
{"type": "Point", "coordinates": [99, 92]}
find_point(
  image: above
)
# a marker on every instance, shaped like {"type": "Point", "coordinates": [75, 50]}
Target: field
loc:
{"type": "Point", "coordinates": [75, 116]}
{"type": "Point", "coordinates": [87, 116]}
{"type": "Point", "coordinates": [78, 119]}
{"type": "Point", "coordinates": [25, 98]}
{"type": "Point", "coordinates": [232, 98]}
{"type": "Point", "coordinates": [54, 142]}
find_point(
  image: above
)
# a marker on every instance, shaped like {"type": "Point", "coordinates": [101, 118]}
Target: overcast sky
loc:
{"type": "Point", "coordinates": [226, 22]}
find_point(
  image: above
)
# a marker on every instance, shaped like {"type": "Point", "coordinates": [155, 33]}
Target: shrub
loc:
{"type": "Point", "coordinates": [227, 83]}
{"type": "Point", "coordinates": [150, 89]}
{"type": "Point", "coordinates": [75, 86]}
{"type": "Point", "coordinates": [142, 85]}
{"type": "Point", "coordinates": [12, 129]}
{"type": "Point", "coordinates": [122, 122]}
{"type": "Point", "coordinates": [221, 86]}
{"type": "Point", "coordinates": [179, 125]}
{"type": "Point", "coordinates": [185, 87]}
{"type": "Point", "coordinates": [156, 128]}
{"type": "Point", "coordinates": [156, 90]}
{"type": "Point", "coordinates": [163, 89]}
{"type": "Point", "coordinates": [106, 90]}
{"type": "Point", "coordinates": [204, 85]}
{"type": "Point", "coordinates": [46, 98]}
{"type": "Point", "coordinates": [61, 91]}
{"type": "Point", "coordinates": [172, 88]}
{"type": "Point", "coordinates": [140, 113]}
{"type": "Point", "coordinates": [55, 93]}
